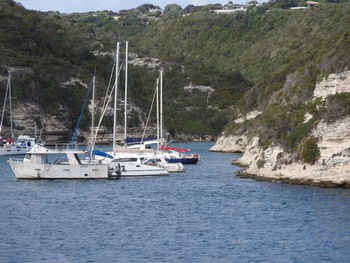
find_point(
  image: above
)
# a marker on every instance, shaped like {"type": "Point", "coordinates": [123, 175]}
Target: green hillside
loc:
{"type": "Point", "coordinates": [266, 58]}
{"type": "Point", "coordinates": [282, 53]}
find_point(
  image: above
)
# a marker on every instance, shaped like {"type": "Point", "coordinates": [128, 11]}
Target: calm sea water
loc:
{"type": "Point", "coordinates": [206, 214]}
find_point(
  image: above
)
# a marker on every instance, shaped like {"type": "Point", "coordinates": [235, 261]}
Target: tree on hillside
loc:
{"type": "Point", "coordinates": [189, 9]}
{"type": "Point", "coordinates": [146, 7]}
{"type": "Point", "coordinates": [172, 10]}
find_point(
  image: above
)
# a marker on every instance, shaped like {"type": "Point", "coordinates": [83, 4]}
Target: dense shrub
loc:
{"type": "Point", "coordinates": [309, 150]}
{"type": "Point", "coordinates": [298, 132]}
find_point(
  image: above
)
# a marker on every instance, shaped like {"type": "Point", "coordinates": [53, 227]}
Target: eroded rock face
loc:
{"type": "Point", "coordinates": [151, 63]}
{"type": "Point", "coordinates": [28, 116]}
{"type": "Point", "coordinates": [334, 83]}
{"type": "Point", "coordinates": [230, 143]}
{"type": "Point", "coordinates": [331, 170]}
{"type": "Point", "coordinates": [205, 89]}
{"type": "Point", "coordinates": [249, 116]}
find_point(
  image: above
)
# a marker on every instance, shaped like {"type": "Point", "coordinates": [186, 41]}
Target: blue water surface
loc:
{"type": "Point", "coordinates": [205, 214]}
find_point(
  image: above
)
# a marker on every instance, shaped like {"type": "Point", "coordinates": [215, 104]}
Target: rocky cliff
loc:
{"type": "Point", "coordinates": [330, 169]}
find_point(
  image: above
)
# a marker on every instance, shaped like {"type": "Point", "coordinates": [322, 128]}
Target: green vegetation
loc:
{"type": "Point", "coordinates": [309, 150]}
{"type": "Point", "coordinates": [298, 132]}
{"type": "Point", "coordinates": [45, 50]}
{"type": "Point", "coordinates": [336, 107]}
{"type": "Point", "coordinates": [266, 58]}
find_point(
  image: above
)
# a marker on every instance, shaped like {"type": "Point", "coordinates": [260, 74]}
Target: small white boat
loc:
{"type": "Point", "coordinates": [161, 162]}
{"type": "Point", "coordinates": [131, 165]}
{"type": "Point", "coordinates": [10, 146]}
{"type": "Point", "coordinates": [43, 163]}
{"type": "Point", "coordinates": [23, 145]}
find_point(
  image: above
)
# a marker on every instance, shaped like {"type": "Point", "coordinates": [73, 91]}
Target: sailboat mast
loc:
{"type": "Point", "coordinates": [157, 101]}
{"type": "Point", "coordinates": [161, 106]}
{"type": "Point", "coordinates": [115, 98]}
{"type": "Point", "coordinates": [10, 98]}
{"type": "Point", "coordinates": [3, 108]}
{"type": "Point", "coordinates": [126, 92]}
{"type": "Point", "coordinates": [93, 110]}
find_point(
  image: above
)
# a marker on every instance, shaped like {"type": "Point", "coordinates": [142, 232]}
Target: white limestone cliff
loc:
{"type": "Point", "coordinates": [230, 143]}
{"type": "Point", "coordinates": [334, 83]}
{"type": "Point", "coordinates": [332, 169]}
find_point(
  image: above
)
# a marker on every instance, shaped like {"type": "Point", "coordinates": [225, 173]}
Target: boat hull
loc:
{"type": "Point", "coordinates": [131, 170]}
{"type": "Point", "coordinates": [13, 151]}
{"type": "Point", "coordinates": [183, 160]}
{"type": "Point", "coordinates": [23, 170]}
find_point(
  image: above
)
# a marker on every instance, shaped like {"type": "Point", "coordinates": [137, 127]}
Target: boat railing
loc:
{"type": "Point", "coordinates": [76, 146]}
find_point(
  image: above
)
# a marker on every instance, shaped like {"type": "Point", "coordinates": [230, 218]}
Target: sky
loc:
{"type": "Point", "coordinates": [69, 6]}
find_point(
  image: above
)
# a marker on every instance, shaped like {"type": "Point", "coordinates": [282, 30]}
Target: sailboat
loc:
{"type": "Point", "coordinates": [10, 146]}
{"type": "Point", "coordinates": [172, 155]}
{"type": "Point", "coordinates": [130, 162]}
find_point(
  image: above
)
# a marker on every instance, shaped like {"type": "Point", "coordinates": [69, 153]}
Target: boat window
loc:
{"type": "Point", "coordinates": [127, 160]}
{"type": "Point", "coordinates": [56, 159]}
{"type": "Point", "coordinates": [28, 157]}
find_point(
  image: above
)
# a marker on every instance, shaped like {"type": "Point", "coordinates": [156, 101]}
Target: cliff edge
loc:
{"type": "Point", "coordinates": [331, 165]}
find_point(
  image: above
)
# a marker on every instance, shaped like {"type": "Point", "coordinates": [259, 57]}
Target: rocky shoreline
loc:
{"type": "Point", "coordinates": [299, 181]}
{"type": "Point", "coordinates": [331, 168]}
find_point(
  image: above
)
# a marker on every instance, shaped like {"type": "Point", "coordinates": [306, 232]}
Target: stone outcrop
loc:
{"type": "Point", "coordinates": [230, 143]}
{"type": "Point", "coordinates": [28, 116]}
{"type": "Point", "coordinates": [206, 89]}
{"type": "Point", "coordinates": [249, 116]}
{"type": "Point", "coordinates": [334, 83]}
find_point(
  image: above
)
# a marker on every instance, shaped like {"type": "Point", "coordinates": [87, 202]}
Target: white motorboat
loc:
{"type": "Point", "coordinates": [44, 163]}
{"type": "Point", "coordinates": [161, 162]}
{"type": "Point", "coordinates": [130, 164]}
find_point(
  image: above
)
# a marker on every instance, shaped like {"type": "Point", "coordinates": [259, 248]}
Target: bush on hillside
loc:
{"type": "Point", "coordinates": [309, 151]}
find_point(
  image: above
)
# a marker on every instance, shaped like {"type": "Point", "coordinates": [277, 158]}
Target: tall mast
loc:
{"type": "Point", "coordinates": [115, 97]}
{"type": "Point", "coordinates": [161, 106]}
{"type": "Point", "coordinates": [93, 110]}
{"type": "Point", "coordinates": [157, 101]}
{"type": "Point", "coordinates": [10, 98]}
{"type": "Point", "coordinates": [3, 108]}
{"type": "Point", "coordinates": [126, 92]}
